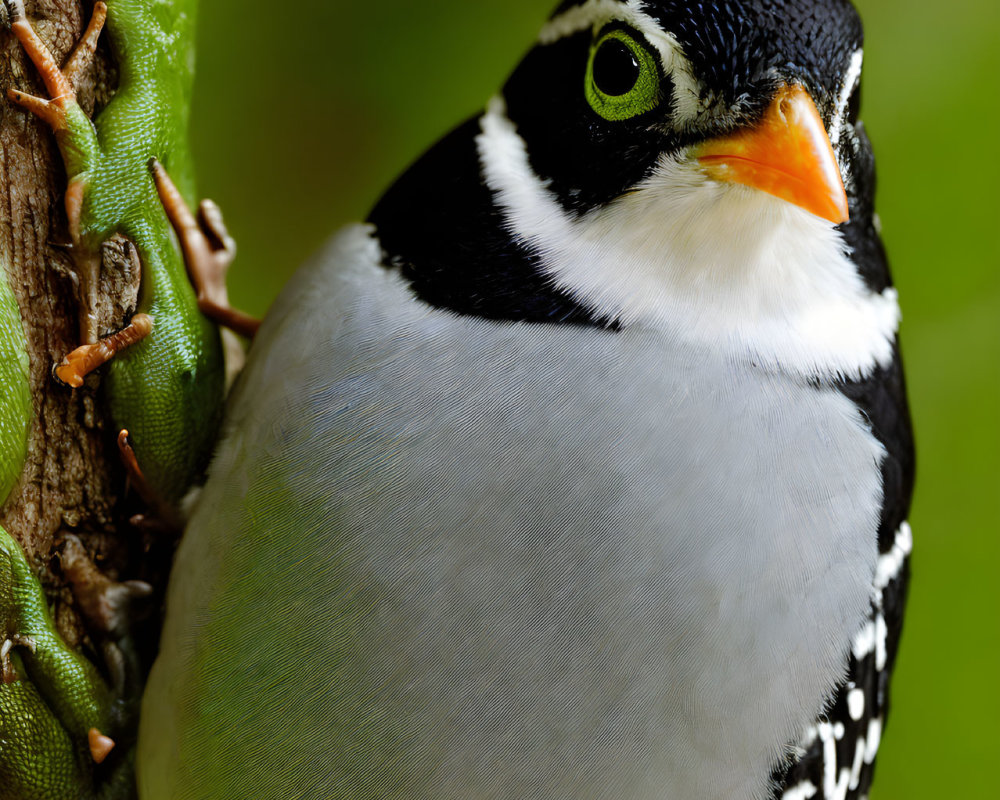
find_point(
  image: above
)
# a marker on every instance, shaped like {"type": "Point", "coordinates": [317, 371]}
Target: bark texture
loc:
{"type": "Point", "coordinates": [73, 481]}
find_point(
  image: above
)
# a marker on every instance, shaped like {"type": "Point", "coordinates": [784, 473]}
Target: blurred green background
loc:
{"type": "Point", "coordinates": [305, 111]}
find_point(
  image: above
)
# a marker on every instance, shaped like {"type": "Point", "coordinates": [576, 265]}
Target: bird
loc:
{"type": "Point", "coordinates": [582, 467]}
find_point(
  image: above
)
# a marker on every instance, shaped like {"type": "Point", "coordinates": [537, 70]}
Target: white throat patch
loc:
{"type": "Point", "coordinates": [722, 265]}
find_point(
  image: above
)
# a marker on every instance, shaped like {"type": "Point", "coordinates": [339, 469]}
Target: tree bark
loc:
{"type": "Point", "coordinates": [73, 481]}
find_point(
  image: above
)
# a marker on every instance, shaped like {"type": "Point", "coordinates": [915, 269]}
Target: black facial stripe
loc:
{"type": "Point", "coordinates": [589, 161]}
{"type": "Point", "coordinates": [439, 225]}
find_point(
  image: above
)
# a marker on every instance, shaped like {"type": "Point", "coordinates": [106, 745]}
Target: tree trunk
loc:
{"type": "Point", "coordinates": [73, 482]}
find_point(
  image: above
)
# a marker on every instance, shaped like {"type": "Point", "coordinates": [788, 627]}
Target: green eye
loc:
{"type": "Point", "coordinates": [623, 80]}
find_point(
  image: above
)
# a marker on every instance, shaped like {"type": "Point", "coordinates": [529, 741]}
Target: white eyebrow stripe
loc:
{"type": "Point", "coordinates": [595, 13]}
{"type": "Point", "coordinates": [579, 18]}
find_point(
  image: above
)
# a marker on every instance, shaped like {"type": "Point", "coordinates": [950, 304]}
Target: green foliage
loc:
{"type": "Point", "coordinates": [300, 124]}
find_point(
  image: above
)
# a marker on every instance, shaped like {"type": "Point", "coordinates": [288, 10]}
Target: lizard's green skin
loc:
{"type": "Point", "coordinates": [167, 389]}
{"type": "Point", "coordinates": [58, 696]}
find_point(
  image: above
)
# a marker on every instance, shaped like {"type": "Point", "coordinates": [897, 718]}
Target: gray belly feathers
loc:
{"type": "Point", "coordinates": [539, 562]}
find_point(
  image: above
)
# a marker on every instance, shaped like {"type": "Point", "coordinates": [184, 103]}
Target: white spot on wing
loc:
{"type": "Point", "coordinates": [840, 790]}
{"type": "Point", "coordinates": [864, 642]}
{"type": "Point", "coordinates": [802, 791]}
{"type": "Point", "coordinates": [881, 635]}
{"type": "Point", "coordinates": [856, 704]}
{"type": "Point", "coordinates": [859, 760]}
{"type": "Point", "coordinates": [873, 739]}
{"type": "Point", "coordinates": [829, 759]}
{"type": "Point", "coordinates": [891, 563]}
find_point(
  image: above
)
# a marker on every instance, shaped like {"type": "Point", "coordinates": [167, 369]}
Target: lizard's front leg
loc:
{"type": "Point", "coordinates": [208, 251]}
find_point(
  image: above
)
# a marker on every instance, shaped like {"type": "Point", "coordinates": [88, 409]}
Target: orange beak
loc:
{"type": "Point", "coordinates": [787, 154]}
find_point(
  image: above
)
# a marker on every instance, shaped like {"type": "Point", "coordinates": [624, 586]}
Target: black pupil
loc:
{"type": "Point", "coordinates": [616, 69]}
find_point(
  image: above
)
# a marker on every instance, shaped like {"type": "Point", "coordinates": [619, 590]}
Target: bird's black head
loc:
{"type": "Point", "coordinates": [614, 84]}
{"type": "Point", "coordinates": [695, 167]}
{"type": "Point", "coordinates": [737, 47]}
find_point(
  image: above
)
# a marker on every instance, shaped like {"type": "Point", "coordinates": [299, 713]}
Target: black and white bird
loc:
{"type": "Point", "coordinates": [582, 470]}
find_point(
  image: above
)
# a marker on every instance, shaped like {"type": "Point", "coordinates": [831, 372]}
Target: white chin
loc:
{"type": "Point", "coordinates": [721, 265]}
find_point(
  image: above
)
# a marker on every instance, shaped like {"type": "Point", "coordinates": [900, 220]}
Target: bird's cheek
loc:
{"type": "Point", "coordinates": [787, 154]}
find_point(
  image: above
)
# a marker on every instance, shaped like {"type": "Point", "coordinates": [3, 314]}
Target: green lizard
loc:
{"type": "Point", "coordinates": [53, 705]}
{"type": "Point", "coordinates": [164, 384]}
{"type": "Point", "coordinates": [165, 380]}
